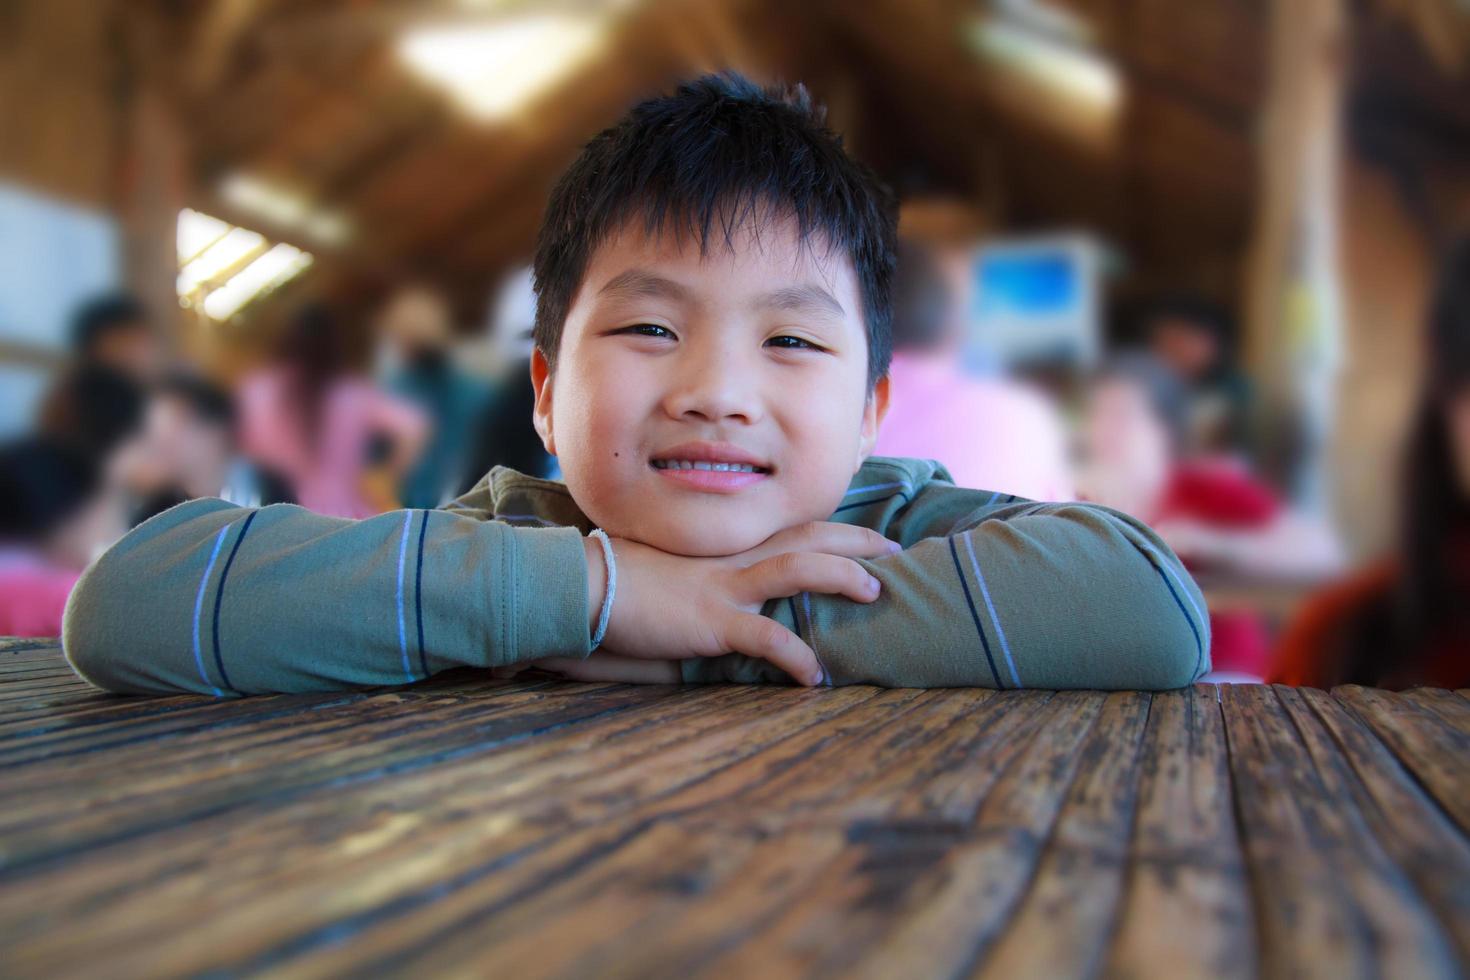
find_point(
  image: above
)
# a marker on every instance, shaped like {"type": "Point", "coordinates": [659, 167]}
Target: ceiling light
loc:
{"type": "Point", "coordinates": [284, 209]}
{"type": "Point", "coordinates": [281, 263]}
{"type": "Point", "coordinates": [196, 232]}
{"type": "Point", "coordinates": [1071, 72]}
{"type": "Point", "coordinates": [494, 70]}
{"type": "Point", "coordinates": [235, 246]}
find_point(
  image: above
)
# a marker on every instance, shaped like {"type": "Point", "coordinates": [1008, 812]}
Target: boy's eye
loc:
{"type": "Point", "coordinates": [647, 330]}
{"type": "Point", "coordinates": [788, 342]}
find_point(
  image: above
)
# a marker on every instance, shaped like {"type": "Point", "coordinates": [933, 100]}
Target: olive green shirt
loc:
{"type": "Point", "coordinates": [989, 591]}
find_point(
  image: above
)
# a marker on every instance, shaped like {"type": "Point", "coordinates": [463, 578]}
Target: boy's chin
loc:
{"type": "Point", "coordinates": [705, 541]}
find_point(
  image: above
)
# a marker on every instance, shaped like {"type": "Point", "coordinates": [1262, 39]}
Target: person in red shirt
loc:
{"type": "Point", "coordinates": [1405, 620]}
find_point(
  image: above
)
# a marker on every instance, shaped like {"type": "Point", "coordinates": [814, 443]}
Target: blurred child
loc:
{"type": "Point", "coordinates": [55, 517]}
{"type": "Point", "coordinates": [417, 364]}
{"type": "Point", "coordinates": [311, 418]}
{"type": "Point", "coordinates": [190, 448]}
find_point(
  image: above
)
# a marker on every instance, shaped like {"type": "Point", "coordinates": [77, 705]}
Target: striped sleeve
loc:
{"type": "Point", "coordinates": [216, 599]}
{"type": "Point", "coordinates": [1005, 594]}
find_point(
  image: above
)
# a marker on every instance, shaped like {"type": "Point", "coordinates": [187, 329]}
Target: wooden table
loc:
{"type": "Point", "coordinates": [529, 828]}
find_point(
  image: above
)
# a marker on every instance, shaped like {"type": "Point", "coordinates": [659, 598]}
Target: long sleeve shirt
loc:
{"type": "Point", "coordinates": [989, 591]}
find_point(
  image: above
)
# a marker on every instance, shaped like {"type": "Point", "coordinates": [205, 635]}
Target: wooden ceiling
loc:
{"type": "Point", "coordinates": [311, 96]}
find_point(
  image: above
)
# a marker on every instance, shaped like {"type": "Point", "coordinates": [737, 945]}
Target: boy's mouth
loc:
{"type": "Point", "coordinates": [710, 467]}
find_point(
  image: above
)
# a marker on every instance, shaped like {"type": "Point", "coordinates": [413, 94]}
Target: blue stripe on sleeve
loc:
{"type": "Point", "coordinates": [1000, 633]}
{"type": "Point", "coordinates": [219, 598]}
{"type": "Point", "coordinates": [418, 593]}
{"type": "Point", "coordinates": [1166, 572]}
{"type": "Point", "coordinates": [878, 486]}
{"type": "Point", "coordinates": [199, 608]}
{"type": "Point", "coordinates": [402, 556]}
{"type": "Point", "coordinates": [974, 615]}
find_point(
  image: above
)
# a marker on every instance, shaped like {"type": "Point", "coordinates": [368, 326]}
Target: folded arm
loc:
{"type": "Point", "coordinates": [216, 599]}
{"type": "Point", "coordinates": [1024, 594]}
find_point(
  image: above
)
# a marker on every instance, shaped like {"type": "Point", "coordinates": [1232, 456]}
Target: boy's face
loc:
{"type": "Point", "coordinates": [754, 355]}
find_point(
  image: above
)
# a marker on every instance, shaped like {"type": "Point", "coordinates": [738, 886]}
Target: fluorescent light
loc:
{"type": "Point", "coordinates": [233, 247]}
{"type": "Point", "coordinates": [1070, 71]}
{"type": "Point", "coordinates": [196, 232]}
{"type": "Point", "coordinates": [284, 208]}
{"type": "Point", "coordinates": [494, 70]}
{"type": "Point", "coordinates": [281, 263]}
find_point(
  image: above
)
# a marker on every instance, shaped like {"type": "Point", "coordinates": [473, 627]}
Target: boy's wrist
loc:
{"type": "Point", "coordinates": [596, 581]}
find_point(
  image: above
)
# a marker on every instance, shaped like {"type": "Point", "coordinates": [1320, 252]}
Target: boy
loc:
{"type": "Point", "coordinates": [712, 337]}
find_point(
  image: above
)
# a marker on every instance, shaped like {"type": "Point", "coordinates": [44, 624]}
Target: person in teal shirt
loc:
{"type": "Point", "coordinates": [713, 281]}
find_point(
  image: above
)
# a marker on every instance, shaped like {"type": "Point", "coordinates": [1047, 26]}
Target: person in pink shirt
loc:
{"type": "Point", "coordinates": [55, 516]}
{"type": "Point", "coordinates": [315, 422]}
{"type": "Point", "coordinates": [990, 433]}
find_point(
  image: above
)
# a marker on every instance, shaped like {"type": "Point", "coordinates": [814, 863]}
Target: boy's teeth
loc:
{"type": "Point", "coordinates": [685, 464]}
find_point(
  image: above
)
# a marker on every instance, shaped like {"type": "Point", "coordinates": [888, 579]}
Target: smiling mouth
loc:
{"type": "Point", "coordinates": [705, 465]}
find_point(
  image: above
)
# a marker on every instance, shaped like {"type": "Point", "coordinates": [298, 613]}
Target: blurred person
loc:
{"type": "Point", "coordinates": [417, 363]}
{"type": "Point", "coordinates": [94, 409]}
{"type": "Point", "coordinates": [1404, 620]}
{"type": "Point", "coordinates": [1195, 339]}
{"type": "Point", "coordinates": [56, 515]}
{"type": "Point", "coordinates": [311, 418]}
{"type": "Point", "coordinates": [504, 434]}
{"type": "Point", "coordinates": [115, 331]}
{"type": "Point", "coordinates": [190, 448]}
{"type": "Point", "coordinates": [990, 432]}
{"type": "Point", "coordinates": [97, 402]}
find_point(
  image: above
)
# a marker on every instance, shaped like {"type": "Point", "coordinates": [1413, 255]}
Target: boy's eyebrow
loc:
{"type": "Point", "coordinates": [809, 297]}
{"type": "Point", "coordinates": [637, 282]}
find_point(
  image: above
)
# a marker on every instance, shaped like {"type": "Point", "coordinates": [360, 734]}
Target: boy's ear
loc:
{"type": "Point", "coordinates": [873, 413]}
{"type": "Point", "coordinates": [541, 414]}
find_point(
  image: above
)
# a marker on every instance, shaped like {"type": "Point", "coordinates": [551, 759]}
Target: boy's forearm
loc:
{"type": "Point", "coordinates": [596, 581]}
{"type": "Point", "coordinates": [215, 599]}
{"type": "Point", "coordinates": [1071, 596]}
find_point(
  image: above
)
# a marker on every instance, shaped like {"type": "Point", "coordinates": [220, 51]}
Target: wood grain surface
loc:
{"type": "Point", "coordinates": [528, 828]}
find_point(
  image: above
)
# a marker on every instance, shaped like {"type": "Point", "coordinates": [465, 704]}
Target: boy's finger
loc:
{"type": "Point", "coordinates": [756, 636]}
{"type": "Point", "coordinates": [797, 571]}
{"type": "Point", "coordinates": [849, 540]}
{"type": "Point", "coordinates": [829, 538]}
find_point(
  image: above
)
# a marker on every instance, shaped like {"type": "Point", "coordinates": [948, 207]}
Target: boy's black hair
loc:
{"type": "Point", "coordinates": [102, 315]}
{"type": "Point", "coordinates": [43, 483]}
{"type": "Point", "coordinates": [720, 149]}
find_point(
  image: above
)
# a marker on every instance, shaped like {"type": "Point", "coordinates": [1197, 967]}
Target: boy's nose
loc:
{"type": "Point", "coordinates": [713, 390]}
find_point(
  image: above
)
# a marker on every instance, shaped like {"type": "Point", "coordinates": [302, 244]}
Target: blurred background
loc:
{"type": "Point", "coordinates": [1189, 253]}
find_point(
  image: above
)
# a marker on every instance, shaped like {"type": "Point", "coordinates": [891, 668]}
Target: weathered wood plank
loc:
{"type": "Point", "coordinates": [1453, 709]}
{"type": "Point", "coordinates": [960, 902]}
{"type": "Point", "coordinates": [1186, 910]}
{"type": "Point", "coordinates": [1414, 832]}
{"type": "Point", "coordinates": [40, 827]}
{"type": "Point", "coordinates": [472, 826]}
{"type": "Point", "coordinates": [438, 828]}
{"type": "Point", "coordinates": [1327, 902]}
{"type": "Point", "coordinates": [1436, 752]}
{"type": "Point", "coordinates": [1402, 931]}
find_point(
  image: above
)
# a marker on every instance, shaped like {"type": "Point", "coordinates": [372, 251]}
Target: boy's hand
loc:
{"type": "Point", "coordinates": [670, 607]}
